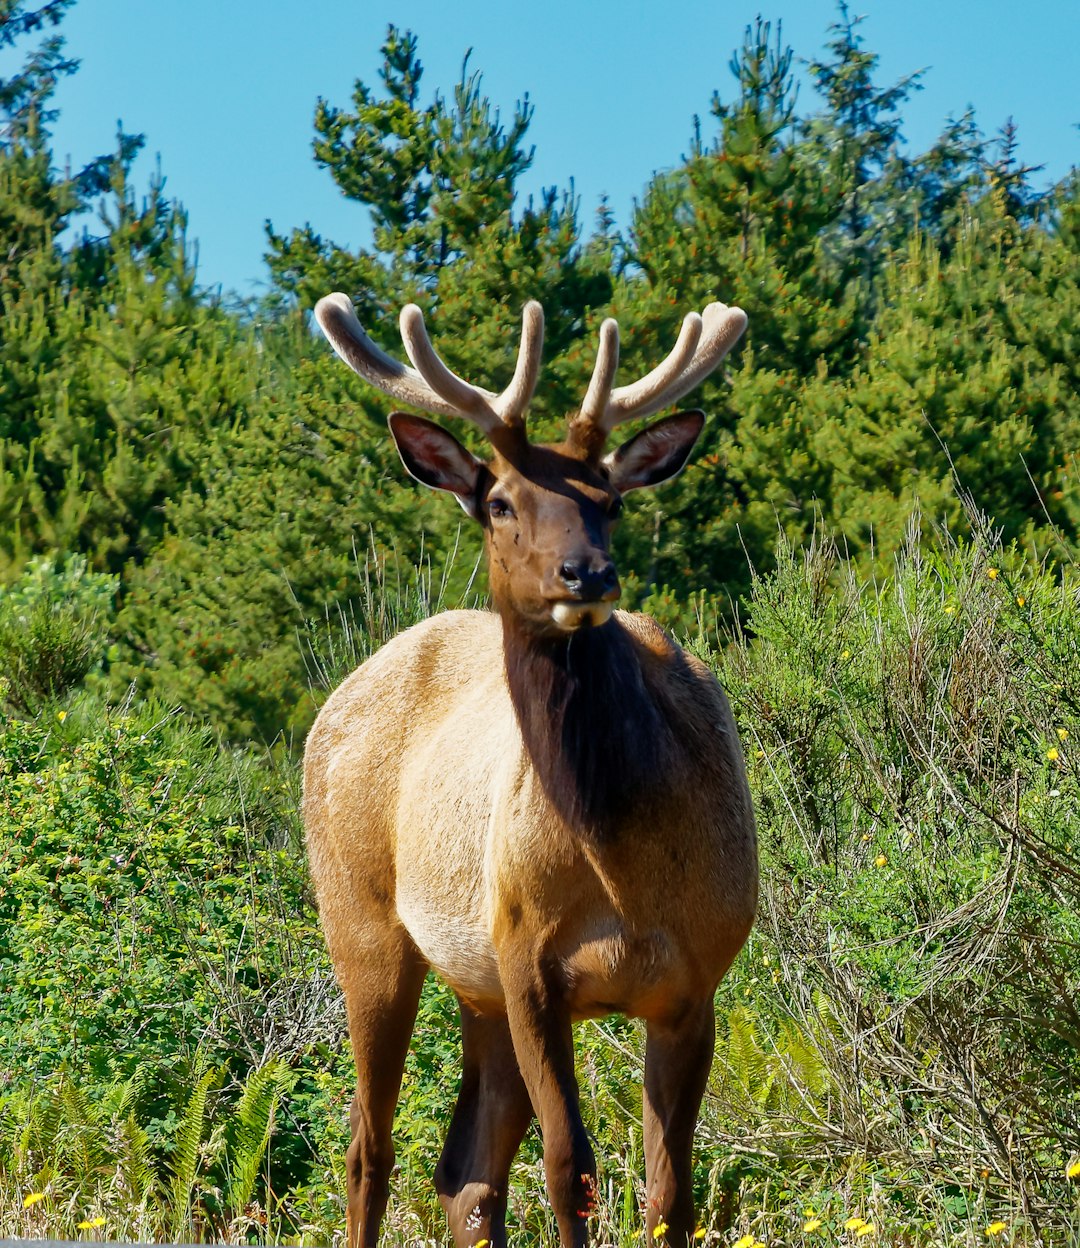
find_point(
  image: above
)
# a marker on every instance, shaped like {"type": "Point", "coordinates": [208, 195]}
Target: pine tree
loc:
{"type": "Point", "coordinates": [432, 179]}
{"type": "Point", "coordinates": [858, 136]}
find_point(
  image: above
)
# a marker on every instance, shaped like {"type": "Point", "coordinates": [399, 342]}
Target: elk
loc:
{"type": "Point", "coordinates": [545, 803]}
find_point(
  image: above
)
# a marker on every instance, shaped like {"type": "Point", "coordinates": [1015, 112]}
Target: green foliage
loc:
{"type": "Point", "coordinates": [77, 1157]}
{"type": "Point", "coordinates": [121, 843]}
{"type": "Point", "coordinates": [908, 994]}
{"type": "Point", "coordinates": [53, 630]}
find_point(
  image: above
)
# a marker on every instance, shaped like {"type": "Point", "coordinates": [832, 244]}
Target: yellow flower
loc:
{"type": "Point", "coordinates": [699, 1233]}
{"type": "Point", "coordinates": [811, 1226]}
{"type": "Point", "coordinates": [482, 1243]}
{"type": "Point", "coordinates": [992, 573]}
{"type": "Point", "coordinates": [747, 1241]}
{"type": "Point", "coordinates": [61, 715]}
{"type": "Point", "coordinates": [1073, 1170]}
{"type": "Point", "coordinates": [854, 1224]}
{"type": "Point", "coordinates": [949, 610]}
{"type": "Point", "coordinates": [659, 1229]}
{"type": "Point", "coordinates": [880, 860]}
{"type": "Point", "coordinates": [1063, 734]}
{"type": "Point", "coordinates": [1020, 600]}
{"type": "Point", "coordinates": [33, 1199]}
{"type": "Point", "coordinates": [995, 1228]}
{"type": "Point", "coordinates": [99, 1221]}
{"type": "Point", "coordinates": [867, 1228]}
{"type": "Point", "coordinates": [1052, 754]}
{"type": "Point", "coordinates": [846, 654]}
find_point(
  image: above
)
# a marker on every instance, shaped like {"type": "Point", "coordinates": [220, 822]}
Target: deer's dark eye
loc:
{"type": "Point", "coordinates": [498, 508]}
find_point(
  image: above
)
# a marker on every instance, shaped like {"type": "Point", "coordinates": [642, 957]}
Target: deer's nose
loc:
{"type": "Point", "coordinates": [590, 577]}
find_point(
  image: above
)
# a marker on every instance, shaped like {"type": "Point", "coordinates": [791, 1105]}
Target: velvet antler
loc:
{"type": "Point", "coordinates": [429, 384]}
{"type": "Point", "coordinates": [703, 342]}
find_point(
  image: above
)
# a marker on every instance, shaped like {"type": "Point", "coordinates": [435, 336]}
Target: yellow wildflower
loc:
{"type": "Point", "coordinates": [992, 573]}
{"type": "Point", "coordinates": [880, 860]}
{"type": "Point", "coordinates": [1063, 734]}
{"type": "Point", "coordinates": [94, 1223]}
{"type": "Point", "coordinates": [867, 1228]}
{"type": "Point", "coordinates": [1052, 754]}
{"type": "Point", "coordinates": [995, 1228]}
{"type": "Point", "coordinates": [1073, 1170]}
{"type": "Point", "coordinates": [949, 609]}
{"type": "Point", "coordinates": [699, 1233]}
{"type": "Point", "coordinates": [811, 1226]}
{"type": "Point", "coordinates": [660, 1229]}
{"type": "Point", "coordinates": [61, 715]}
{"type": "Point", "coordinates": [33, 1199]}
{"type": "Point", "coordinates": [1020, 600]}
{"type": "Point", "coordinates": [482, 1243]}
{"type": "Point", "coordinates": [854, 1224]}
{"type": "Point", "coordinates": [747, 1241]}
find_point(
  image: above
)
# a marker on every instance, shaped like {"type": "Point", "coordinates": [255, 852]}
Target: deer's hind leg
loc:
{"type": "Point", "coordinates": [382, 989]}
{"type": "Point", "coordinates": [677, 1061]}
{"type": "Point", "coordinates": [492, 1114]}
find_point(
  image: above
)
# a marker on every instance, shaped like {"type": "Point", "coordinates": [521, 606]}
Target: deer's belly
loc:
{"type": "Point", "coordinates": [457, 948]}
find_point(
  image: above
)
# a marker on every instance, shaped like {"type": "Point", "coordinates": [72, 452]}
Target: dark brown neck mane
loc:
{"type": "Point", "coordinates": [596, 735]}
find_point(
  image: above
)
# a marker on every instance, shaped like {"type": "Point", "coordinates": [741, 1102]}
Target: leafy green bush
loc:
{"type": "Point", "coordinates": [905, 1016]}
{"type": "Point", "coordinates": [140, 894]}
{"type": "Point", "coordinates": [54, 623]}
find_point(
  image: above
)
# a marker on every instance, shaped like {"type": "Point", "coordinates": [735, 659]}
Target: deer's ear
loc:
{"type": "Point", "coordinates": [656, 454]}
{"type": "Point", "coordinates": [436, 458]}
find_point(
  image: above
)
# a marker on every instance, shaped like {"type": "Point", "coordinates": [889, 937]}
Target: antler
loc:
{"type": "Point", "coordinates": [429, 384]}
{"type": "Point", "coordinates": [703, 342]}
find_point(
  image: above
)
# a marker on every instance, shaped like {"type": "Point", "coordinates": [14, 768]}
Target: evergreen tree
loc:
{"type": "Point", "coordinates": [432, 179]}
{"type": "Point", "coordinates": [858, 137]}
{"type": "Point", "coordinates": [113, 372]}
{"type": "Point", "coordinates": [947, 180]}
{"type": "Point", "coordinates": [24, 96]}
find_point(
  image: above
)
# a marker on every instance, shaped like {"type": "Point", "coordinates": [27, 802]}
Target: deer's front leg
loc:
{"type": "Point", "coordinates": [678, 1056]}
{"type": "Point", "coordinates": [543, 1041]}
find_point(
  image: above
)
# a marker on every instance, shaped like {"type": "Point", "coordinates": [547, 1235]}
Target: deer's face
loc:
{"type": "Point", "coordinates": [547, 517]}
{"type": "Point", "coordinates": [547, 511]}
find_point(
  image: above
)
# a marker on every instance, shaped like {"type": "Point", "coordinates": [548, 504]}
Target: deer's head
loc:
{"type": "Point", "coordinates": [547, 511]}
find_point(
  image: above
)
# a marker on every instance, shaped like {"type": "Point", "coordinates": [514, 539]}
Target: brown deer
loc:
{"type": "Point", "coordinates": [546, 803]}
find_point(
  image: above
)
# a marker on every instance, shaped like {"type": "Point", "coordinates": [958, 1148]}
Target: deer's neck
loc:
{"type": "Point", "coordinates": [594, 732]}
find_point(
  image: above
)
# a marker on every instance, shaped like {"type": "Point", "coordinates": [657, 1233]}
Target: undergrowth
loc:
{"type": "Point", "coordinates": [897, 1046]}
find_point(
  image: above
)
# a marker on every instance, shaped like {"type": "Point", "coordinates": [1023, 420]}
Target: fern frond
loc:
{"type": "Point", "coordinates": [255, 1123]}
{"type": "Point", "coordinates": [185, 1157]}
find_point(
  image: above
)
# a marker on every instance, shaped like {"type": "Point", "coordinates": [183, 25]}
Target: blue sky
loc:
{"type": "Point", "coordinates": [224, 90]}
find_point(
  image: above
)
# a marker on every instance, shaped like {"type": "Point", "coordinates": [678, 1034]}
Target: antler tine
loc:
{"type": "Point", "coordinates": [628, 399]}
{"type": "Point", "coordinates": [346, 335]}
{"type": "Point", "coordinates": [703, 343]}
{"type": "Point", "coordinates": [596, 398]}
{"type": "Point", "coordinates": [515, 399]}
{"type": "Point", "coordinates": [472, 402]}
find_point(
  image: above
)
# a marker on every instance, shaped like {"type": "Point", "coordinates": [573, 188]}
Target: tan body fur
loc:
{"type": "Point", "coordinates": [439, 818]}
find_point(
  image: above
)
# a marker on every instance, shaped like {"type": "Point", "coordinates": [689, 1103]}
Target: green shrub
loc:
{"type": "Point", "coordinates": [903, 1024]}
{"type": "Point", "coordinates": [54, 623]}
{"type": "Point", "coordinates": [141, 894]}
